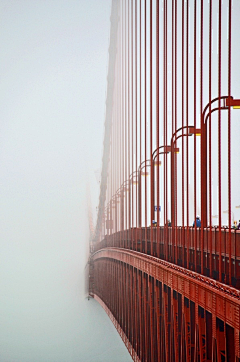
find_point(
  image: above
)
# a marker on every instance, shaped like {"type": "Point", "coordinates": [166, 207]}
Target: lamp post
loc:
{"type": "Point", "coordinates": [228, 102]}
{"type": "Point", "coordinates": [112, 204]}
{"type": "Point", "coordinates": [190, 130]}
{"type": "Point", "coordinates": [120, 193]}
{"type": "Point", "coordinates": [133, 180]}
{"type": "Point", "coordinates": [124, 187]}
{"type": "Point", "coordinates": [160, 151]}
{"type": "Point", "coordinates": [130, 182]}
{"type": "Point", "coordinates": [143, 164]}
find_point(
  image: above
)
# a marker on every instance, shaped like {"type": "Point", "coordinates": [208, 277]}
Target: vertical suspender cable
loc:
{"type": "Point", "coordinates": [210, 135]}
{"type": "Point", "coordinates": [219, 138]}
{"type": "Point", "coordinates": [164, 131]}
{"type": "Point", "coordinates": [187, 151]}
{"type": "Point", "coordinates": [111, 177]}
{"type": "Point", "coordinates": [183, 143]}
{"type": "Point", "coordinates": [128, 131]}
{"type": "Point", "coordinates": [165, 88]}
{"type": "Point", "coordinates": [166, 112]}
{"type": "Point", "coordinates": [140, 121]}
{"type": "Point", "coordinates": [117, 146]}
{"type": "Point", "coordinates": [157, 120]}
{"type": "Point", "coordinates": [122, 127]}
{"type": "Point", "coordinates": [125, 125]}
{"type": "Point", "coordinates": [173, 173]}
{"type": "Point", "coordinates": [132, 124]}
{"type": "Point", "coordinates": [120, 120]}
{"type": "Point", "coordinates": [151, 128]}
{"type": "Point", "coordinates": [201, 103]}
{"type": "Point", "coordinates": [229, 140]}
{"type": "Point", "coordinates": [114, 159]}
{"type": "Point", "coordinates": [195, 123]}
{"type": "Point", "coordinates": [136, 122]}
{"type": "Point", "coordinates": [145, 114]}
{"type": "Point", "coordinates": [175, 117]}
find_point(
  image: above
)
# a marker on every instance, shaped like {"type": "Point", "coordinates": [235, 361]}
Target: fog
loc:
{"type": "Point", "coordinates": [54, 57]}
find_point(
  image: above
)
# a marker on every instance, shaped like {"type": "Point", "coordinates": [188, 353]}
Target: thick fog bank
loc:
{"type": "Point", "coordinates": [53, 68]}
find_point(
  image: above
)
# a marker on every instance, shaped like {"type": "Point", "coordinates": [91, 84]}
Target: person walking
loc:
{"type": "Point", "coordinates": [198, 222]}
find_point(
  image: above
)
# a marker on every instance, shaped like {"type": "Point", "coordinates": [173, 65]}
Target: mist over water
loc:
{"type": "Point", "coordinates": [44, 315]}
{"type": "Point", "coordinates": [53, 69]}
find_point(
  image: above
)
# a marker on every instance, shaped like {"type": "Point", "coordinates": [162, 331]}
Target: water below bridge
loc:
{"type": "Point", "coordinates": [104, 343]}
{"type": "Point", "coordinates": [44, 315]}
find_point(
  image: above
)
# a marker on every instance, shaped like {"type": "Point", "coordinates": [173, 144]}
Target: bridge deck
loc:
{"type": "Point", "coordinates": [157, 304]}
{"type": "Point", "coordinates": [182, 253]}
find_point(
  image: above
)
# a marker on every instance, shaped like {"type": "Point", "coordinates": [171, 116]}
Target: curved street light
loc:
{"type": "Point", "coordinates": [228, 101]}
{"type": "Point", "coordinates": [190, 130]}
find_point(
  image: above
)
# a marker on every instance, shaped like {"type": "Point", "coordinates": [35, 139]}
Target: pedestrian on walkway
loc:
{"type": "Point", "coordinates": [198, 222]}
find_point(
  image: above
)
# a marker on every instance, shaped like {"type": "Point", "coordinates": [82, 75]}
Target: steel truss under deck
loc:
{"type": "Point", "coordinates": [170, 285]}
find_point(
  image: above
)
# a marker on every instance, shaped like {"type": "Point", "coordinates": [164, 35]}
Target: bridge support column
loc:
{"type": "Point", "coordinates": [157, 313]}
{"type": "Point", "coordinates": [202, 334]}
{"type": "Point", "coordinates": [175, 325]}
{"type": "Point", "coordinates": [151, 316]}
{"type": "Point", "coordinates": [145, 357]}
{"type": "Point", "coordinates": [140, 329]}
{"type": "Point", "coordinates": [187, 329]}
{"type": "Point", "coordinates": [167, 312]}
{"type": "Point", "coordinates": [221, 348]}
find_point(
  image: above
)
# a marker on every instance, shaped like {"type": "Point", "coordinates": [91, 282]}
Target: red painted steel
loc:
{"type": "Point", "coordinates": [196, 298]}
{"type": "Point", "coordinates": [171, 289]}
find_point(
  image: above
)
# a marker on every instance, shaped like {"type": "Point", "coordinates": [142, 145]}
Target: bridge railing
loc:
{"type": "Point", "coordinates": [184, 248]}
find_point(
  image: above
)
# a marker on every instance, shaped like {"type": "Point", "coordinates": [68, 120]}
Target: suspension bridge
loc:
{"type": "Point", "coordinates": [165, 252]}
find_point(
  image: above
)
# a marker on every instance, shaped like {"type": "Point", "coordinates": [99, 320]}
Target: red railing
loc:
{"type": "Point", "coordinates": [188, 256]}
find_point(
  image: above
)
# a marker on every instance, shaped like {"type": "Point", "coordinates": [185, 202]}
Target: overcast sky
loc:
{"type": "Point", "coordinates": [53, 69]}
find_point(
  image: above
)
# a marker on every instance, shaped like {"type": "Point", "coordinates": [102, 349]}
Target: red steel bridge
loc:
{"type": "Point", "coordinates": [171, 152]}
